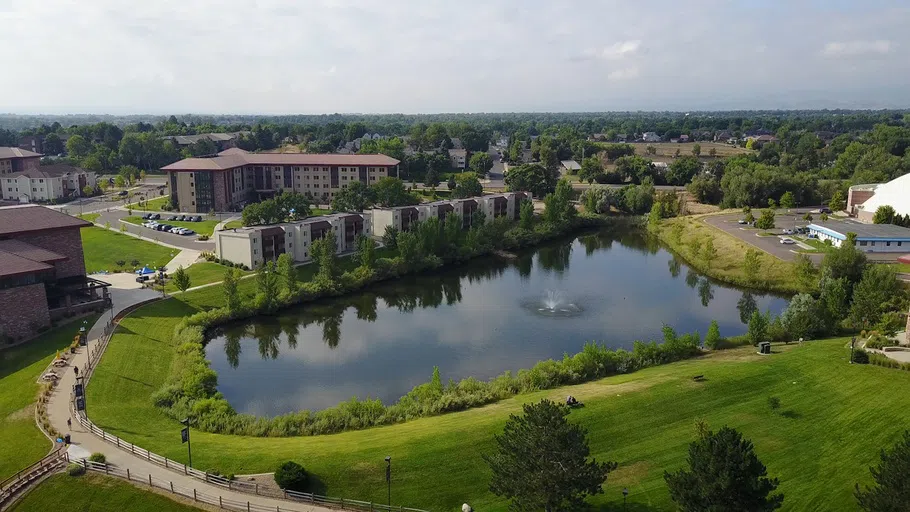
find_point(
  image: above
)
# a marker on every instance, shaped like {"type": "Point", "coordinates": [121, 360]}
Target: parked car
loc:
{"type": "Point", "coordinates": [146, 216]}
{"type": "Point", "coordinates": [177, 230]}
{"type": "Point", "coordinates": [142, 279]}
{"type": "Point", "coordinates": [787, 241]}
{"type": "Point", "coordinates": [741, 221]}
{"type": "Point", "coordinates": [122, 193]}
{"type": "Point", "coordinates": [826, 210]}
{"type": "Point", "coordinates": [164, 227]}
{"type": "Point", "coordinates": [788, 231]}
{"type": "Point", "coordinates": [172, 217]}
{"type": "Point", "coordinates": [188, 232]}
{"type": "Point", "coordinates": [197, 218]}
{"type": "Point", "coordinates": [155, 216]}
{"type": "Point", "coordinates": [179, 217]}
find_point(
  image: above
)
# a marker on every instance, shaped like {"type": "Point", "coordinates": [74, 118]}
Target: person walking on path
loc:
{"type": "Point", "coordinates": [76, 370]}
{"type": "Point", "coordinates": [69, 424]}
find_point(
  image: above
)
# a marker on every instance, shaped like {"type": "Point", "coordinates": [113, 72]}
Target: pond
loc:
{"type": "Point", "coordinates": [480, 319]}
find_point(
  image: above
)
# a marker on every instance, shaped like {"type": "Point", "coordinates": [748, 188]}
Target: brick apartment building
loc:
{"type": "Point", "coordinates": [235, 177]}
{"type": "Point", "coordinates": [493, 206]}
{"type": "Point", "coordinates": [42, 271]}
{"type": "Point", "coordinates": [14, 160]}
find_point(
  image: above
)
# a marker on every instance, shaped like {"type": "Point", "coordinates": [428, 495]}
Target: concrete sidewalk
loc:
{"type": "Point", "coordinates": [125, 293]}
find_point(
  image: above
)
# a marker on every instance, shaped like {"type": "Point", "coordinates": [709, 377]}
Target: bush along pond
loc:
{"type": "Point", "coordinates": [480, 323]}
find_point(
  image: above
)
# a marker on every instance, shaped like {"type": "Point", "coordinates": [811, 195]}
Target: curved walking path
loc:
{"type": "Point", "coordinates": [125, 293]}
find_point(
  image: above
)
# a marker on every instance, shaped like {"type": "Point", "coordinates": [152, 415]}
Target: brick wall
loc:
{"type": "Point", "coordinates": [23, 310]}
{"type": "Point", "coordinates": [66, 242]}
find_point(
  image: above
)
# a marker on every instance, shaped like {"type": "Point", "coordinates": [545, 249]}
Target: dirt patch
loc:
{"type": "Point", "coordinates": [23, 414]}
{"type": "Point", "coordinates": [598, 388]}
{"type": "Point", "coordinates": [628, 475]}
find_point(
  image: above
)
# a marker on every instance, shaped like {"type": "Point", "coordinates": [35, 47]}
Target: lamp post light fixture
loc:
{"type": "Point", "coordinates": [388, 477]}
{"type": "Point", "coordinates": [185, 438]}
{"type": "Point", "coordinates": [625, 494]}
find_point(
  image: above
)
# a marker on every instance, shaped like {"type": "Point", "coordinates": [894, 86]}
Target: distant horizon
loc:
{"type": "Point", "coordinates": [276, 57]}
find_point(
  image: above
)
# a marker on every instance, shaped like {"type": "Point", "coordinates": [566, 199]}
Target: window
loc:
{"type": "Point", "coordinates": [40, 181]}
{"type": "Point", "coordinates": [873, 244]}
{"type": "Point", "coordinates": [862, 243]}
{"type": "Point", "coordinates": [887, 244]}
{"type": "Point", "coordinates": [255, 251]}
{"type": "Point", "coordinates": [899, 244]}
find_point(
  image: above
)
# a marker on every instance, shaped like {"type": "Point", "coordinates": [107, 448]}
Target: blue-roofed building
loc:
{"type": "Point", "coordinates": [869, 237]}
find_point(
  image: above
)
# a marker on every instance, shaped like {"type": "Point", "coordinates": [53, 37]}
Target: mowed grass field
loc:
{"type": "Point", "coordinates": [21, 442]}
{"type": "Point", "coordinates": [152, 205]}
{"type": "Point", "coordinates": [727, 265]}
{"type": "Point", "coordinates": [204, 272]}
{"type": "Point", "coordinates": [833, 420]}
{"type": "Point", "coordinates": [103, 248]}
{"type": "Point", "coordinates": [666, 150]}
{"type": "Point", "coordinates": [95, 493]}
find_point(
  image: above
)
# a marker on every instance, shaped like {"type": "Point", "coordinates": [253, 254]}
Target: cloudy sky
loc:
{"type": "Point", "coordinates": [324, 56]}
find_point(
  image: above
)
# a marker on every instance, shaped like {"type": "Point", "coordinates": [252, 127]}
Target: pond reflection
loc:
{"type": "Point", "coordinates": [472, 320]}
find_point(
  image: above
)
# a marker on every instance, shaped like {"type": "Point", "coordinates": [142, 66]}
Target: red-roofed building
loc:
{"type": "Point", "coordinates": [42, 271]}
{"type": "Point", "coordinates": [18, 160]}
{"type": "Point", "coordinates": [234, 177]}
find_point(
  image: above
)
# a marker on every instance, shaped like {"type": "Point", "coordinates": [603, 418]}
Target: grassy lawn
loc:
{"type": "Point", "coordinates": [234, 224]}
{"type": "Point", "coordinates": [152, 205]}
{"type": "Point", "coordinates": [900, 267]}
{"type": "Point", "coordinates": [205, 227]}
{"type": "Point", "coordinates": [103, 248]}
{"type": "Point", "coordinates": [201, 273]}
{"type": "Point", "coordinates": [775, 274]}
{"type": "Point", "coordinates": [666, 150]}
{"type": "Point", "coordinates": [89, 217]}
{"type": "Point", "coordinates": [21, 443]}
{"type": "Point", "coordinates": [823, 439]}
{"type": "Point", "coordinates": [95, 493]}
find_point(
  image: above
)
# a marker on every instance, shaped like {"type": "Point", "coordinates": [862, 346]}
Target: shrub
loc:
{"type": "Point", "coordinates": [75, 470]}
{"type": "Point", "coordinates": [774, 403]}
{"type": "Point", "coordinates": [134, 263]}
{"type": "Point", "coordinates": [860, 356]}
{"type": "Point", "coordinates": [120, 263]}
{"type": "Point", "coordinates": [291, 476]}
{"type": "Point", "coordinates": [203, 238]}
{"type": "Point", "coordinates": [98, 457]}
{"type": "Point", "coordinates": [713, 338]}
{"type": "Point", "coordinates": [878, 341]}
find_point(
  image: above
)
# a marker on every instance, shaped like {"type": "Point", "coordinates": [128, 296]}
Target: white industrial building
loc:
{"type": "Point", "coordinates": [864, 200]}
{"type": "Point", "coordinates": [869, 237]}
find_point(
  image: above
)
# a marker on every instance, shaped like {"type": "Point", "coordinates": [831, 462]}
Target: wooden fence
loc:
{"type": "Point", "coordinates": [229, 503]}
{"type": "Point", "coordinates": [10, 487]}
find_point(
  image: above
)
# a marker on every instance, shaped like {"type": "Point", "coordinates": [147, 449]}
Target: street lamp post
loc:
{"type": "Point", "coordinates": [185, 437]}
{"type": "Point", "coordinates": [852, 343]}
{"type": "Point", "coordinates": [388, 477]}
{"type": "Point", "coordinates": [625, 493]}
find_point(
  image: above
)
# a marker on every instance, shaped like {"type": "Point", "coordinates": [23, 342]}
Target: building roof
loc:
{"type": "Point", "coordinates": [14, 265]}
{"type": "Point", "coordinates": [6, 152]}
{"type": "Point", "coordinates": [895, 193]}
{"type": "Point", "coordinates": [28, 218]}
{"type": "Point", "coordinates": [29, 251]}
{"type": "Point", "coordinates": [233, 151]}
{"type": "Point", "coordinates": [48, 171]}
{"type": "Point", "coordinates": [863, 231]}
{"type": "Point", "coordinates": [185, 140]}
{"type": "Point", "coordinates": [572, 165]}
{"type": "Point", "coordinates": [237, 160]}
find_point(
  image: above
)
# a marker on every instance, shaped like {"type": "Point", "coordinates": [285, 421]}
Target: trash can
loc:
{"type": "Point", "coordinates": [764, 347]}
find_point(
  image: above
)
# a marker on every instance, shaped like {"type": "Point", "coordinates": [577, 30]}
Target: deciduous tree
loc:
{"type": "Point", "coordinates": [481, 162]}
{"type": "Point", "coordinates": [467, 185]}
{"type": "Point", "coordinates": [182, 279]}
{"type": "Point", "coordinates": [356, 197]}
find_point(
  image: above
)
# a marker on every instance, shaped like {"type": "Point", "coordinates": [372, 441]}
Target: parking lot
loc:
{"type": "Point", "coordinates": [783, 220]}
{"type": "Point", "coordinates": [176, 224]}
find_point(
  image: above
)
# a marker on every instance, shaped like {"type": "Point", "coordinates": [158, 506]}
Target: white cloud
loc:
{"type": "Point", "coordinates": [616, 51]}
{"type": "Point", "coordinates": [623, 74]}
{"type": "Point", "coordinates": [854, 48]}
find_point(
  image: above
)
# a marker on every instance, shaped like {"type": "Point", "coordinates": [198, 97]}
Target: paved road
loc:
{"type": "Point", "coordinates": [126, 294]}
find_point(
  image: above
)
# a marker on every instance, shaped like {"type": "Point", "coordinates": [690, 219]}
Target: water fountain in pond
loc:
{"type": "Point", "coordinates": [553, 303]}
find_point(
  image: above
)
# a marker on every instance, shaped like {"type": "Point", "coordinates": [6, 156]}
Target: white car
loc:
{"type": "Point", "coordinates": [788, 231]}
{"type": "Point", "coordinates": [787, 241]}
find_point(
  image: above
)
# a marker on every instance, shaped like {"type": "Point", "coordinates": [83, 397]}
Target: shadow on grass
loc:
{"type": "Point", "coordinates": [16, 358]}
{"type": "Point", "coordinates": [791, 414]}
{"type": "Point", "coordinates": [628, 507]}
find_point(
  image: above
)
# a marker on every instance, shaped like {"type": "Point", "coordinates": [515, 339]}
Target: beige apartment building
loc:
{"type": "Point", "coordinates": [255, 245]}
{"type": "Point", "coordinates": [46, 183]}
{"type": "Point", "coordinates": [493, 206]}
{"type": "Point", "coordinates": [235, 177]}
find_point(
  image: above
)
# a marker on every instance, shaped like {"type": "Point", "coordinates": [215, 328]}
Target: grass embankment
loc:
{"type": "Point", "coordinates": [204, 272]}
{"type": "Point", "coordinates": [152, 205]}
{"type": "Point", "coordinates": [21, 443]}
{"type": "Point", "coordinates": [89, 217]}
{"type": "Point", "coordinates": [204, 227]}
{"type": "Point", "coordinates": [103, 248]}
{"type": "Point", "coordinates": [96, 493]}
{"type": "Point", "coordinates": [234, 224]}
{"type": "Point", "coordinates": [833, 420]}
{"type": "Point", "coordinates": [727, 265]}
